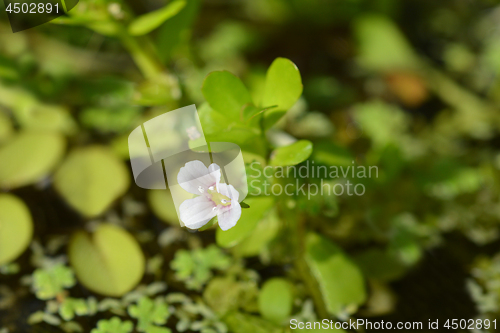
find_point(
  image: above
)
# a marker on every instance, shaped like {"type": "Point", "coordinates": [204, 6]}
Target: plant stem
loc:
{"type": "Point", "coordinates": [147, 62]}
{"type": "Point", "coordinates": [298, 230]}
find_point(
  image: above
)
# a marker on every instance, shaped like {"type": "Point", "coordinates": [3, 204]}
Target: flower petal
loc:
{"type": "Point", "coordinates": [229, 216]}
{"type": "Point", "coordinates": [195, 213]}
{"type": "Point", "coordinates": [229, 191]}
{"type": "Point", "coordinates": [195, 174]}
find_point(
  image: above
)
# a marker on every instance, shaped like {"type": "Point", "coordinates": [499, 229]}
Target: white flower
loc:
{"type": "Point", "coordinates": [214, 198]}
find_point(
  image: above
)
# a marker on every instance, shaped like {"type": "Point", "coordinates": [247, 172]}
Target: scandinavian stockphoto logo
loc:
{"type": "Point", "coordinates": [26, 14]}
{"type": "Point", "coordinates": [205, 179]}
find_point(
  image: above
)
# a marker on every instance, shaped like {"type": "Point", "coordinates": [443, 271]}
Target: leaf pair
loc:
{"type": "Point", "coordinates": [226, 93]}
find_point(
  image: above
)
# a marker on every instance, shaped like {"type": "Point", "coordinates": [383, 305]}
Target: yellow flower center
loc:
{"type": "Point", "coordinates": [217, 198]}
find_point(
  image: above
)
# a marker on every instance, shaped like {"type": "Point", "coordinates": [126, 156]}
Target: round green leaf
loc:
{"type": "Point", "coordinates": [6, 128]}
{"type": "Point", "coordinates": [29, 157]}
{"type": "Point", "coordinates": [340, 280]}
{"type": "Point", "coordinates": [265, 231]}
{"type": "Point", "coordinates": [226, 94]}
{"type": "Point", "coordinates": [276, 300]}
{"type": "Point", "coordinates": [259, 206]}
{"type": "Point", "coordinates": [163, 206]}
{"type": "Point", "coordinates": [108, 262]}
{"type": "Point", "coordinates": [283, 85]}
{"type": "Point", "coordinates": [293, 154]}
{"type": "Point", "coordinates": [90, 179]}
{"type": "Point", "coordinates": [148, 22]}
{"type": "Point", "coordinates": [16, 227]}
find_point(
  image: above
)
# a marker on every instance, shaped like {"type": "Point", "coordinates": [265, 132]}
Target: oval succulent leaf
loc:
{"type": "Point", "coordinates": [109, 262]}
{"type": "Point", "coordinates": [28, 157]}
{"type": "Point", "coordinates": [276, 300]}
{"type": "Point", "coordinates": [90, 179]}
{"type": "Point", "coordinates": [16, 227]}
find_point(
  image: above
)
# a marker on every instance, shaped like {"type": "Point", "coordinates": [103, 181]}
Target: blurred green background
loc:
{"type": "Point", "coordinates": [411, 87]}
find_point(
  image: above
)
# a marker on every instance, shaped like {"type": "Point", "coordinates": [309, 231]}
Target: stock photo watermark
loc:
{"type": "Point", "coordinates": [332, 180]}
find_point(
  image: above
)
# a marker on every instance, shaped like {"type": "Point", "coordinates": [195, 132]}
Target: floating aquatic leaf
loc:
{"type": "Point", "coordinates": [109, 261]}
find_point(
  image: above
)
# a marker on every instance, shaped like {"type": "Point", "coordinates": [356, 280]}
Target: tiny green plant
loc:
{"type": "Point", "coordinates": [113, 325]}
{"type": "Point", "coordinates": [195, 267]}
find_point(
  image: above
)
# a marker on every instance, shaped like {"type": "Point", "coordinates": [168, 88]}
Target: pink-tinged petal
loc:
{"type": "Point", "coordinates": [229, 216]}
{"type": "Point", "coordinates": [195, 176]}
{"type": "Point", "coordinates": [229, 191]}
{"type": "Point", "coordinates": [195, 213]}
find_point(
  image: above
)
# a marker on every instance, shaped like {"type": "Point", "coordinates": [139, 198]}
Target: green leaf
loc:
{"type": "Point", "coordinates": [276, 300]}
{"type": "Point", "coordinates": [148, 22]}
{"type": "Point", "coordinates": [293, 154]}
{"type": "Point", "coordinates": [283, 88]}
{"type": "Point", "coordinates": [382, 46]}
{"type": "Point", "coordinates": [379, 265]}
{"type": "Point", "coordinates": [265, 231]}
{"type": "Point", "coordinates": [90, 179]}
{"type": "Point", "coordinates": [29, 157]}
{"type": "Point", "coordinates": [246, 224]}
{"type": "Point", "coordinates": [223, 294]}
{"type": "Point", "coordinates": [16, 228]}
{"type": "Point", "coordinates": [149, 312]}
{"type": "Point", "coordinates": [113, 325]}
{"type": "Point", "coordinates": [220, 128]}
{"type": "Point", "coordinates": [51, 281]}
{"type": "Point", "coordinates": [331, 154]}
{"type": "Point", "coordinates": [71, 307]}
{"type": "Point", "coordinates": [340, 280]}
{"type": "Point", "coordinates": [226, 94]}
{"type": "Point", "coordinates": [163, 207]}
{"type": "Point", "coordinates": [244, 205]}
{"type": "Point", "coordinates": [210, 223]}
{"type": "Point", "coordinates": [6, 128]}
{"type": "Point", "coordinates": [194, 267]}
{"type": "Point", "coordinates": [239, 322]}
{"type": "Point", "coordinates": [109, 262]}
{"type": "Point", "coordinates": [176, 30]}
{"type": "Point", "coordinates": [283, 85]}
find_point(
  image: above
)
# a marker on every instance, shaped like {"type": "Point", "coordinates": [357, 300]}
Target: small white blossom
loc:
{"type": "Point", "coordinates": [214, 198]}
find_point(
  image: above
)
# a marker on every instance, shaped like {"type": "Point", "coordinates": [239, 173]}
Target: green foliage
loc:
{"type": "Point", "coordinates": [247, 223]}
{"type": "Point", "coordinates": [230, 293]}
{"type": "Point", "coordinates": [73, 306]}
{"type": "Point", "coordinates": [226, 94]}
{"type": "Point", "coordinates": [152, 20]}
{"type": "Point", "coordinates": [340, 280]}
{"type": "Point", "coordinates": [382, 45]}
{"type": "Point", "coordinates": [16, 228]}
{"type": "Point", "coordinates": [259, 239]}
{"type": "Point", "coordinates": [51, 281]}
{"type": "Point", "coordinates": [28, 157]}
{"type": "Point", "coordinates": [408, 87]}
{"type": "Point", "coordinates": [282, 89]}
{"type": "Point", "coordinates": [109, 262]}
{"type": "Point", "coordinates": [113, 325]}
{"type": "Point", "coordinates": [149, 313]}
{"type": "Point", "coordinates": [293, 154]}
{"type": "Point", "coordinates": [163, 206]}
{"type": "Point", "coordinates": [194, 267]}
{"type": "Point", "coordinates": [276, 300]}
{"type": "Point", "coordinates": [239, 322]}
{"type": "Point", "coordinates": [90, 179]}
